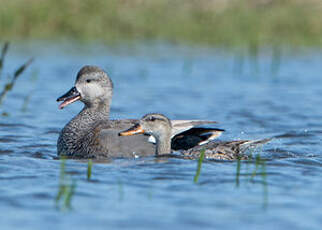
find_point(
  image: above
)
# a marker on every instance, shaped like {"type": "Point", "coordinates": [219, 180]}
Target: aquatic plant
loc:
{"type": "Point", "coordinates": [259, 165]}
{"type": "Point", "coordinates": [238, 171]}
{"type": "Point", "coordinates": [66, 188]}
{"type": "Point", "coordinates": [260, 169]}
{"type": "Point", "coordinates": [89, 169]}
{"type": "Point", "coordinates": [3, 55]}
{"type": "Point", "coordinates": [265, 185]}
{"type": "Point", "coordinates": [226, 23]}
{"type": "Point", "coordinates": [14, 77]}
{"type": "Point", "coordinates": [201, 158]}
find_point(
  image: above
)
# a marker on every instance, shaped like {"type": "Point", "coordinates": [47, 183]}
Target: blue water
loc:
{"type": "Point", "coordinates": [250, 97]}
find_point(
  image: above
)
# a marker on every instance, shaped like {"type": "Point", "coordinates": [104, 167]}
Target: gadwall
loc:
{"type": "Point", "coordinates": [91, 134]}
{"type": "Point", "coordinates": [159, 126]}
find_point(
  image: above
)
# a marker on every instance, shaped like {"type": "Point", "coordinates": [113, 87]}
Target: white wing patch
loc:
{"type": "Point", "coordinates": [152, 139]}
{"type": "Point", "coordinates": [179, 126]}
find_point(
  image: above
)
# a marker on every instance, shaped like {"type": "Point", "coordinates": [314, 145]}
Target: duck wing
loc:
{"type": "Point", "coordinates": [194, 137]}
{"type": "Point", "coordinates": [179, 126]}
{"type": "Point", "coordinates": [186, 135]}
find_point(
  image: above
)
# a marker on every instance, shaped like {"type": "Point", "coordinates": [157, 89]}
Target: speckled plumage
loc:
{"type": "Point", "coordinates": [91, 134]}
{"type": "Point", "coordinates": [225, 150]}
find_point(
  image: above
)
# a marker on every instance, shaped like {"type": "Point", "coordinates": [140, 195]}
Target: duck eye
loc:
{"type": "Point", "coordinates": [88, 80]}
{"type": "Point", "coordinates": [152, 118]}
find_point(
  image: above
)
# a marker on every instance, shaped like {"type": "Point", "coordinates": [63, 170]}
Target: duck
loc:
{"type": "Point", "coordinates": [91, 133]}
{"type": "Point", "coordinates": [159, 126]}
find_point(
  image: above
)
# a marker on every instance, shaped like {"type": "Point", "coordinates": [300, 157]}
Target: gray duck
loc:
{"type": "Point", "coordinates": [159, 126]}
{"type": "Point", "coordinates": [91, 134]}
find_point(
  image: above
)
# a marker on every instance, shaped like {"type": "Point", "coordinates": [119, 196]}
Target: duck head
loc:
{"type": "Point", "coordinates": [153, 124]}
{"type": "Point", "coordinates": [93, 87]}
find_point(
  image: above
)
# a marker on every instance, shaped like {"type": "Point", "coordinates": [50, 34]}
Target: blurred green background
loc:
{"type": "Point", "coordinates": [213, 22]}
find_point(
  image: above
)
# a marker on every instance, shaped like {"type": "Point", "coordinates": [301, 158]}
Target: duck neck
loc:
{"type": "Point", "coordinates": [89, 115]}
{"type": "Point", "coordinates": [163, 144]}
{"type": "Point", "coordinates": [98, 107]}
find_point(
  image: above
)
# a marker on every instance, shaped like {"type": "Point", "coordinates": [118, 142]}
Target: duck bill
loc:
{"type": "Point", "coordinates": [68, 98]}
{"type": "Point", "coordinates": [136, 129]}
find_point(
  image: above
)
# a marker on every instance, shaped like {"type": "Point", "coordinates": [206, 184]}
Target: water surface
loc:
{"type": "Point", "coordinates": [250, 97]}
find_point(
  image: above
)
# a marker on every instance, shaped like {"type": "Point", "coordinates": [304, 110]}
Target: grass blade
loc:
{"type": "Point", "coordinates": [11, 83]}
{"type": "Point", "coordinates": [89, 169]}
{"type": "Point", "coordinates": [60, 193]}
{"type": "Point", "coordinates": [62, 169]}
{"type": "Point", "coordinates": [238, 171]}
{"type": "Point", "coordinates": [201, 158]}
{"type": "Point", "coordinates": [257, 164]}
{"type": "Point", "coordinates": [69, 193]}
{"type": "Point", "coordinates": [265, 185]}
{"type": "Point", "coordinates": [22, 68]}
{"type": "Point", "coordinates": [3, 55]}
{"type": "Point", "coordinates": [66, 189]}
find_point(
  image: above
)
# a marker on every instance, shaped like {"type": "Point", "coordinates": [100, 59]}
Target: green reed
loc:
{"type": "Point", "coordinates": [3, 55]}
{"type": "Point", "coordinates": [12, 78]}
{"type": "Point", "coordinates": [200, 161]}
{"type": "Point", "coordinates": [224, 23]}
{"type": "Point", "coordinates": [259, 169]}
{"type": "Point", "coordinates": [66, 189]}
{"type": "Point", "coordinates": [265, 185]}
{"type": "Point", "coordinates": [89, 169]}
{"type": "Point", "coordinates": [257, 164]}
{"type": "Point", "coordinates": [238, 171]}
